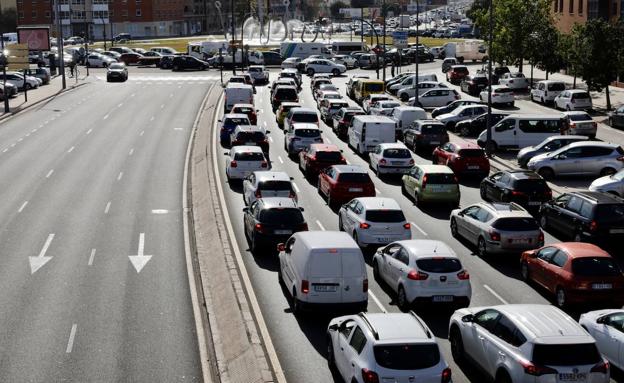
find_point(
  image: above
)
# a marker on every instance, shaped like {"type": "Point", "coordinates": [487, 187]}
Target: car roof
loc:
{"type": "Point", "coordinates": [594, 144]}
{"type": "Point", "coordinates": [278, 202]}
{"type": "Point", "coordinates": [551, 81]}
{"type": "Point", "coordinates": [469, 106]}
{"type": "Point", "coordinates": [325, 147]}
{"type": "Point", "coordinates": [243, 106]}
{"type": "Point", "coordinates": [429, 122]}
{"type": "Point", "coordinates": [581, 249]}
{"type": "Point", "coordinates": [234, 85]}
{"type": "Point", "coordinates": [371, 203]}
{"type": "Point", "coordinates": [577, 91]}
{"type": "Point", "coordinates": [536, 116]}
{"type": "Point", "coordinates": [249, 128]}
{"type": "Point", "coordinates": [337, 101]}
{"type": "Point", "coordinates": [374, 119]}
{"type": "Point", "coordinates": [392, 145]}
{"type": "Point", "coordinates": [576, 113]}
{"type": "Point", "coordinates": [425, 248]}
{"type": "Point", "coordinates": [598, 197]}
{"type": "Point", "coordinates": [271, 175]}
{"type": "Point", "coordinates": [290, 103]}
{"type": "Point", "coordinates": [564, 136]}
{"type": "Point", "coordinates": [399, 327]}
{"type": "Point", "coordinates": [235, 115]}
{"type": "Point", "coordinates": [349, 169]}
{"type": "Point", "coordinates": [443, 169]}
{"type": "Point", "coordinates": [505, 209]}
{"type": "Point", "coordinates": [459, 67]}
{"type": "Point", "coordinates": [466, 145]}
{"type": "Point", "coordinates": [305, 125]}
{"type": "Point", "coordinates": [246, 148]}
{"type": "Point", "coordinates": [522, 174]}
{"type": "Point", "coordinates": [408, 108]}
{"type": "Point", "coordinates": [325, 239]}
{"type": "Point", "coordinates": [301, 109]}
{"type": "Point", "coordinates": [353, 109]}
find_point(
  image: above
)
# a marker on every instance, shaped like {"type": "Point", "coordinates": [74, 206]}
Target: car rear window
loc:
{"type": "Point", "coordinates": [287, 93]}
{"type": "Point", "coordinates": [503, 90]}
{"type": "Point", "coordinates": [307, 133]}
{"type": "Point", "coordinates": [515, 224]}
{"type": "Point", "coordinates": [397, 153]}
{"type": "Point", "coordinates": [609, 213]}
{"type": "Point", "coordinates": [360, 178]}
{"type": "Point", "coordinates": [558, 87]}
{"type": "Point", "coordinates": [249, 156]}
{"type": "Point", "coordinates": [439, 265]}
{"type": "Point", "coordinates": [328, 156]}
{"type": "Point", "coordinates": [243, 110]}
{"type": "Point", "coordinates": [471, 153]}
{"type": "Point", "coordinates": [580, 117]}
{"type": "Point", "coordinates": [530, 185]}
{"type": "Point", "coordinates": [250, 136]}
{"type": "Point", "coordinates": [595, 267]}
{"type": "Point", "coordinates": [579, 96]}
{"type": "Point", "coordinates": [432, 129]}
{"type": "Point", "coordinates": [275, 185]}
{"type": "Point", "coordinates": [373, 87]}
{"type": "Point", "coordinates": [461, 70]}
{"type": "Point", "coordinates": [305, 117]}
{"type": "Point", "coordinates": [407, 356]}
{"type": "Point", "coordinates": [385, 216]}
{"type": "Point", "coordinates": [285, 216]}
{"type": "Point", "coordinates": [235, 121]}
{"type": "Point", "coordinates": [440, 178]}
{"type": "Point", "coordinates": [566, 354]}
{"type": "Point", "coordinates": [349, 116]}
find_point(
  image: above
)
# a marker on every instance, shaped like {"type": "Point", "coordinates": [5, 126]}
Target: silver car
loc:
{"type": "Point", "coordinates": [550, 144]}
{"type": "Point", "coordinates": [581, 123]}
{"type": "Point", "coordinates": [580, 158]}
{"type": "Point", "coordinates": [610, 184]}
{"type": "Point", "coordinates": [497, 228]}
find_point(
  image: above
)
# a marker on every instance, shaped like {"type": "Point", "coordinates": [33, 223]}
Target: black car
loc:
{"type": "Point", "coordinates": [586, 216]}
{"type": "Point", "coordinates": [272, 58]}
{"type": "Point", "coordinates": [272, 220]}
{"type": "Point", "coordinates": [283, 93]}
{"type": "Point", "coordinates": [423, 55]}
{"type": "Point", "coordinates": [166, 62]}
{"type": "Point", "coordinates": [342, 120]}
{"type": "Point", "coordinates": [188, 62]}
{"type": "Point", "coordinates": [523, 187]}
{"type": "Point", "coordinates": [474, 85]}
{"type": "Point", "coordinates": [452, 106]}
{"type": "Point", "coordinates": [474, 126]}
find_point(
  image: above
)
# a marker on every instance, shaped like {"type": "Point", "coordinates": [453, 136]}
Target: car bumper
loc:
{"type": "Point", "coordinates": [349, 307]}
{"type": "Point", "coordinates": [507, 248]}
{"type": "Point", "coordinates": [439, 198]}
{"type": "Point", "coordinates": [394, 169]}
{"type": "Point", "coordinates": [611, 296]}
{"type": "Point", "coordinates": [346, 197]}
{"type": "Point", "coordinates": [382, 239]}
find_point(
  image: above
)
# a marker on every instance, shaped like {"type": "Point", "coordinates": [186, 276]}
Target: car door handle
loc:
{"type": "Point", "coordinates": [352, 365]}
{"type": "Point", "coordinates": [341, 348]}
{"type": "Point", "coordinates": [481, 337]}
{"type": "Point", "coordinates": [500, 353]}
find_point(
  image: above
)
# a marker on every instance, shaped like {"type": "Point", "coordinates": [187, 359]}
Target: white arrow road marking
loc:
{"type": "Point", "coordinates": [37, 262]}
{"type": "Point", "coordinates": [140, 260]}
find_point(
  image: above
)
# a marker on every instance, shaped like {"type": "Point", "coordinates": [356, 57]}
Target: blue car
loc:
{"type": "Point", "coordinates": [229, 124]}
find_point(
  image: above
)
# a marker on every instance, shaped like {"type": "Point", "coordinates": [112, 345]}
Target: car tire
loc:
{"type": "Point", "coordinates": [607, 172]}
{"type": "Point", "coordinates": [310, 72]}
{"type": "Point", "coordinates": [330, 203]}
{"type": "Point", "coordinates": [356, 239]}
{"type": "Point", "coordinates": [544, 222]}
{"type": "Point", "coordinates": [561, 300]}
{"type": "Point", "coordinates": [340, 227]}
{"type": "Point", "coordinates": [453, 225]}
{"type": "Point", "coordinates": [542, 101]}
{"type": "Point", "coordinates": [402, 302]}
{"type": "Point", "coordinates": [295, 307]}
{"type": "Point", "coordinates": [502, 377]}
{"type": "Point", "coordinates": [465, 132]}
{"type": "Point", "coordinates": [376, 275]}
{"type": "Point", "coordinates": [546, 173]}
{"type": "Point", "coordinates": [336, 72]}
{"type": "Point", "coordinates": [457, 345]}
{"type": "Point", "coordinates": [254, 246]}
{"type": "Point", "coordinates": [404, 97]}
{"type": "Point", "coordinates": [404, 190]}
{"type": "Point", "coordinates": [482, 247]}
{"type": "Point", "coordinates": [524, 272]}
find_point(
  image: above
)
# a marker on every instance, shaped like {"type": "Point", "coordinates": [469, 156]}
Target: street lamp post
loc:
{"type": "Point", "coordinates": [233, 37]}
{"type": "Point", "coordinates": [417, 59]}
{"type": "Point", "coordinates": [384, 12]}
{"type": "Point", "coordinates": [488, 141]}
{"type": "Point", "coordinates": [59, 43]}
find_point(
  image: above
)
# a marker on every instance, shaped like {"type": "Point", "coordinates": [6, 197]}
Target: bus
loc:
{"type": "Point", "coordinates": [348, 47]}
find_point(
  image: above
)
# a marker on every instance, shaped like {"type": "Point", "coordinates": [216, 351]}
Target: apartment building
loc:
{"type": "Point", "coordinates": [570, 12]}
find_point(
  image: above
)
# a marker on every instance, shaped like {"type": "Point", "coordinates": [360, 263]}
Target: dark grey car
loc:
{"type": "Point", "coordinates": [548, 145]}
{"type": "Point", "coordinates": [616, 119]}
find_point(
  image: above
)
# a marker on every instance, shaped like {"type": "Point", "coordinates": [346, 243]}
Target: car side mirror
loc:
{"type": "Point", "coordinates": [532, 254]}
{"type": "Point", "coordinates": [561, 157]}
{"type": "Point", "coordinates": [461, 214]}
{"type": "Point", "coordinates": [301, 209]}
{"type": "Point", "coordinates": [333, 327]}
{"type": "Point", "coordinates": [226, 153]}
{"type": "Point", "coordinates": [219, 120]}
{"type": "Point", "coordinates": [281, 247]}
{"type": "Point", "coordinates": [602, 320]}
{"type": "Point", "coordinates": [245, 209]}
{"type": "Point", "coordinates": [468, 318]}
{"type": "Point", "coordinates": [341, 151]}
{"type": "Point", "coordinates": [268, 132]}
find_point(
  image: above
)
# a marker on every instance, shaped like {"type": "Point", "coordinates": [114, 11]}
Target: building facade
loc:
{"type": "Point", "coordinates": [570, 12]}
{"type": "Point", "coordinates": [7, 4]}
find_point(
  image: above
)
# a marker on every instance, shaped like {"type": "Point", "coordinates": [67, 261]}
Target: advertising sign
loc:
{"type": "Point", "coordinates": [399, 39]}
{"type": "Point", "coordinates": [36, 38]}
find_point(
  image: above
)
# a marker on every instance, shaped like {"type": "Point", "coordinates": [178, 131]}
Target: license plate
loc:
{"type": "Point", "coordinates": [355, 190]}
{"type": "Point", "coordinates": [325, 289]}
{"type": "Point", "coordinates": [521, 240]}
{"type": "Point", "coordinates": [250, 143]}
{"type": "Point", "coordinates": [601, 286]}
{"type": "Point", "coordinates": [572, 377]}
{"type": "Point", "coordinates": [282, 232]}
{"type": "Point", "coordinates": [435, 142]}
{"type": "Point", "coordinates": [534, 203]}
{"type": "Point", "coordinates": [396, 163]}
{"type": "Point", "coordinates": [616, 231]}
{"type": "Point", "coordinates": [473, 167]}
{"type": "Point", "coordinates": [442, 298]}
{"type": "Point", "coordinates": [383, 239]}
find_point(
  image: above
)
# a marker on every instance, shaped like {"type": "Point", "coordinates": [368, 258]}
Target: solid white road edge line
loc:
{"type": "Point", "coordinates": [23, 206]}
{"type": "Point", "coordinates": [119, 176]}
{"type": "Point", "coordinates": [377, 301]}
{"type": "Point", "coordinates": [320, 225]}
{"type": "Point", "coordinates": [419, 229]}
{"type": "Point", "coordinates": [70, 341]}
{"type": "Point", "coordinates": [107, 208]}
{"type": "Point", "coordinates": [49, 173]}
{"type": "Point", "coordinates": [491, 290]}
{"type": "Point", "coordinates": [253, 300]}
{"type": "Point", "coordinates": [90, 263]}
{"type": "Point", "coordinates": [295, 187]}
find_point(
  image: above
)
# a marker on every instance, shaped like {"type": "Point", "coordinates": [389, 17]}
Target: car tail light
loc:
{"type": "Point", "coordinates": [463, 275]}
{"type": "Point", "coordinates": [446, 375]}
{"type": "Point", "coordinates": [223, 129]}
{"type": "Point", "coordinates": [535, 370]}
{"type": "Point", "coordinates": [411, 162]}
{"type": "Point", "coordinates": [495, 236]}
{"type": "Point", "coordinates": [303, 227]}
{"type": "Point", "coordinates": [516, 193]}
{"type": "Point", "coordinates": [407, 226]}
{"type": "Point", "coordinates": [383, 161]}
{"type": "Point", "coordinates": [264, 164]}
{"type": "Point", "coordinates": [541, 237]}
{"type": "Point", "coordinates": [259, 228]}
{"type": "Point", "coordinates": [621, 158]}
{"type": "Point", "coordinates": [292, 194]}
{"type": "Point", "coordinates": [424, 181]}
{"type": "Point", "coordinates": [369, 376]}
{"type": "Point", "coordinates": [593, 226]}
{"type": "Point", "coordinates": [548, 193]}
{"type": "Point", "coordinates": [573, 125]}
{"type": "Point", "coordinates": [364, 225]}
{"type": "Point", "coordinates": [344, 122]}
{"type": "Point", "coordinates": [601, 367]}
{"type": "Point", "coordinates": [417, 276]}
{"type": "Point", "coordinates": [233, 164]}
{"type": "Point", "coordinates": [281, 247]}
{"type": "Point", "coordinates": [258, 194]}
{"type": "Point", "coordinates": [365, 285]}
{"type": "Point", "coordinates": [305, 286]}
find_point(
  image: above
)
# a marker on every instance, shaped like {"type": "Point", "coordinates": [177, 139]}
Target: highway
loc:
{"type": "Point", "coordinates": [92, 264]}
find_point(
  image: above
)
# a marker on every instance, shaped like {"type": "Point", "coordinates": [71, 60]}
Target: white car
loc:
{"type": "Point", "coordinates": [388, 347]}
{"type": "Point", "coordinates": [265, 184]}
{"type": "Point", "coordinates": [515, 80]}
{"type": "Point", "coordinates": [17, 79]}
{"type": "Point", "coordinates": [373, 221]}
{"type": "Point", "coordinates": [404, 94]}
{"type": "Point", "coordinates": [461, 113]}
{"type": "Point", "coordinates": [573, 99]}
{"type": "Point", "coordinates": [435, 98]}
{"type": "Point", "coordinates": [300, 115]}
{"type": "Point", "coordinates": [610, 184]}
{"type": "Point", "coordinates": [546, 90]}
{"type": "Point", "coordinates": [581, 123]}
{"type": "Point", "coordinates": [391, 159]}
{"type": "Point", "coordinates": [526, 343]}
{"type": "Point", "coordinates": [327, 95]}
{"type": "Point", "coordinates": [258, 74]}
{"type": "Point", "coordinates": [243, 161]}
{"type": "Point", "coordinates": [373, 98]}
{"type": "Point", "coordinates": [290, 62]}
{"type": "Point", "coordinates": [99, 60]}
{"type": "Point", "coordinates": [300, 137]}
{"type": "Point", "coordinates": [324, 66]}
{"type": "Point", "coordinates": [346, 60]}
{"type": "Point", "coordinates": [607, 328]}
{"type": "Point", "coordinates": [383, 108]}
{"type": "Point", "coordinates": [501, 95]}
{"type": "Point", "coordinates": [324, 88]}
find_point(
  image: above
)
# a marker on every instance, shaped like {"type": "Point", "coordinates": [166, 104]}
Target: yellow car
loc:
{"type": "Point", "coordinates": [282, 111]}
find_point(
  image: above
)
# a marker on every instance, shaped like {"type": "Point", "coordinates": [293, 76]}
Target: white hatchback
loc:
{"type": "Point", "coordinates": [391, 159]}
{"type": "Point", "coordinates": [244, 160]}
{"type": "Point", "coordinates": [300, 137]}
{"type": "Point", "coordinates": [607, 327]}
{"type": "Point", "coordinates": [422, 271]}
{"type": "Point", "coordinates": [265, 184]}
{"type": "Point", "coordinates": [383, 108]}
{"type": "Point", "coordinates": [515, 80]}
{"type": "Point", "coordinates": [501, 95]}
{"type": "Point", "coordinates": [573, 99]}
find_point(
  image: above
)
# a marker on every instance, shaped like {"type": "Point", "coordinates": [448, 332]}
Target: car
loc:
{"type": "Point", "coordinates": [247, 109]}
{"type": "Point", "coordinates": [111, 54]}
{"type": "Point", "coordinates": [550, 144]}
{"type": "Point", "coordinates": [41, 73]}
{"type": "Point", "coordinates": [324, 66]}
{"type": "Point", "coordinates": [258, 74]}
{"type": "Point", "coordinates": [514, 80]}
{"type": "Point", "coordinates": [474, 126]}
{"type": "Point", "coordinates": [324, 87]}
{"type": "Point", "coordinates": [300, 136]}
{"type": "Point", "coordinates": [373, 98]}
{"type": "Point", "coordinates": [237, 80]}
{"type": "Point", "coordinates": [131, 58]}
{"type": "Point", "coordinates": [390, 158]}
{"type": "Point", "coordinates": [283, 110]}
{"type": "Point", "coordinates": [373, 221]}
{"type": "Point", "coordinates": [473, 85]}
{"type": "Point", "coordinates": [166, 61]}
{"type": "Point", "coordinates": [525, 343]}
{"type": "Point", "coordinates": [17, 79]}
{"type": "Point", "coordinates": [573, 99]}
{"type": "Point", "coordinates": [243, 161]}
{"type": "Point", "coordinates": [581, 123]}
{"type": "Point", "coordinates": [616, 118]}
{"type": "Point", "coordinates": [318, 157]}
{"type": "Point", "coordinates": [283, 93]}
{"type": "Point", "coordinates": [370, 61]}
{"type": "Point", "coordinates": [545, 91]}
{"type": "Point", "coordinates": [250, 135]}
{"type": "Point", "coordinates": [122, 37]}
{"type": "Point", "coordinates": [374, 347]}
{"type": "Point", "coordinates": [272, 58]}
{"type": "Point", "coordinates": [284, 81]}
{"type": "Point", "coordinates": [461, 113]}
{"type": "Point", "coordinates": [431, 183]}
{"type": "Point", "coordinates": [348, 61]}
{"type": "Point", "coordinates": [464, 159]}
{"type": "Point", "coordinates": [404, 94]}
{"type": "Point", "coordinates": [585, 216]}
{"type": "Point", "coordinates": [447, 108]}
{"type": "Point", "coordinates": [425, 135]}
{"type": "Point", "coordinates": [448, 63]}
{"type": "Point", "coordinates": [583, 158]}
{"type": "Point", "coordinates": [99, 60]}
{"type": "Point", "coordinates": [290, 62]}
{"type": "Point", "coordinates": [265, 184]}
{"type": "Point", "coordinates": [396, 79]}
{"type": "Point", "coordinates": [353, 79]}
{"type": "Point", "coordinates": [497, 228]}
{"type": "Point", "coordinates": [435, 98]}
{"type": "Point", "coordinates": [117, 72]}
{"type": "Point", "coordinates": [607, 328]}
{"type": "Point", "coordinates": [300, 115]}
{"type": "Point", "coordinates": [329, 107]}
{"type": "Point", "coordinates": [422, 271]}
{"type": "Point", "coordinates": [383, 107]}
{"type": "Point", "coordinates": [456, 74]}
{"type": "Point", "coordinates": [501, 95]}
{"type": "Point", "coordinates": [164, 50]}
{"type": "Point", "coordinates": [271, 220]}
{"type": "Point", "coordinates": [229, 122]}
{"type": "Point", "coordinates": [301, 66]}
{"type": "Point", "coordinates": [523, 187]}
{"type": "Point", "coordinates": [342, 183]}
{"type": "Point", "coordinates": [11, 90]}
{"type": "Point", "coordinates": [327, 95]}
{"type": "Point", "coordinates": [121, 50]}
{"type": "Point", "coordinates": [575, 273]}
{"type": "Point", "coordinates": [409, 81]}
{"type": "Point", "coordinates": [613, 184]}
{"type": "Point", "coordinates": [342, 119]}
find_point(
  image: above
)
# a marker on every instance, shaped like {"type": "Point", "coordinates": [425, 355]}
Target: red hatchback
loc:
{"type": "Point", "coordinates": [247, 109]}
{"type": "Point", "coordinates": [319, 157]}
{"type": "Point", "coordinates": [463, 158]}
{"type": "Point", "coordinates": [342, 183]}
{"type": "Point", "coordinates": [457, 74]}
{"type": "Point", "coordinates": [576, 272]}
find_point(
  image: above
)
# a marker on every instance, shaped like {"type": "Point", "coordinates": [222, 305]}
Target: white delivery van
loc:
{"type": "Point", "coordinates": [366, 132]}
{"type": "Point", "coordinates": [303, 50]}
{"type": "Point", "coordinates": [237, 93]}
{"type": "Point", "coordinates": [324, 269]}
{"type": "Point", "coordinates": [348, 47]}
{"type": "Point", "coordinates": [522, 130]}
{"type": "Point", "coordinates": [405, 115]}
{"type": "Point", "coordinates": [202, 49]}
{"type": "Point", "coordinates": [474, 50]}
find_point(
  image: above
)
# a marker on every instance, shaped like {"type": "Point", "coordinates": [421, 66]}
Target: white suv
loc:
{"type": "Point", "coordinates": [324, 66]}
{"type": "Point", "coordinates": [526, 343]}
{"type": "Point", "coordinates": [422, 271]}
{"type": "Point", "coordinates": [368, 348]}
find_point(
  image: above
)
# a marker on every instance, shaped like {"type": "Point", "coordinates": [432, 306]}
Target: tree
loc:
{"type": "Point", "coordinates": [335, 8]}
{"type": "Point", "coordinates": [544, 49]}
{"type": "Point", "coordinates": [362, 3]}
{"type": "Point", "coordinates": [8, 20]}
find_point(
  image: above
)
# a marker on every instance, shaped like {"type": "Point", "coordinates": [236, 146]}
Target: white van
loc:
{"type": "Point", "coordinates": [405, 115]}
{"type": "Point", "coordinates": [366, 132]}
{"type": "Point", "coordinates": [348, 47]}
{"type": "Point", "coordinates": [323, 269]}
{"type": "Point", "coordinates": [237, 93]}
{"type": "Point", "coordinates": [522, 130]}
{"type": "Point", "coordinates": [546, 90]}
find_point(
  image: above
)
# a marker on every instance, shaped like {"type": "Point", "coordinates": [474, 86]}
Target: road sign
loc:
{"type": "Point", "coordinates": [399, 39]}
{"type": "Point", "coordinates": [17, 57]}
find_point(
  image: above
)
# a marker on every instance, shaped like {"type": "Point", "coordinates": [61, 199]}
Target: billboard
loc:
{"type": "Point", "coordinates": [36, 38]}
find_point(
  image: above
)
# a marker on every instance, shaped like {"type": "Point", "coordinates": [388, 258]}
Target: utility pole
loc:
{"type": "Point", "coordinates": [488, 141]}
{"type": "Point", "coordinates": [59, 43]}
{"type": "Point", "coordinates": [384, 12]}
{"type": "Point", "coordinates": [4, 88]}
{"type": "Point", "coordinates": [417, 58]}
{"type": "Point", "coordinates": [233, 38]}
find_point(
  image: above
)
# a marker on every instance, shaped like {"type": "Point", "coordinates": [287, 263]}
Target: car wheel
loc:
{"type": "Point", "coordinates": [454, 231]}
{"type": "Point", "coordinates": [404, 97]}
{"type": "Point", "coordinates": [465, 131]}
{"type": "Point", "coordinates": [376, 275]}
{"type": "Point", "coordinates": [404, 190]}
{"type": "Point", "coordinates": [560, 298]}
{"type": "Point", "coordinates": [336, 72]}
{"type": "Point", "coordinates": [482, 247]}
{"type": "Point", "coordinates": [542, 101]}
{"type": "Point", "coordinates": [254, 245]}
{"type": "Point", "coordinates": [544, 222]}
{"type": "Point", "coordinates": [356, 239]}
{"type": "Point", "coordinates": [546, 173]}
{"type": "Point", "coordinates": [524, 271]}
{"type": "Point", "coordinates": [295, 308]}
{"type": "Point", "coordinates": [330, 203]}
{"type": "Point", "coordinates": [578, 237]}
{"type": "Point", "coordinates": [176, 68]}
{"type": "Point", "coordinates": [457, 345]}
{"type": "Point", "coordinates": [402, 302]}
{"type": "Point", "coordinates": [340, 227]}
{"type": "Point", "coordinates": [502, 377]}
{"type": "Point", "coordinates": [607, 172]}
{"type": "Point", "coordinates": [483, 192]}
{"type": "Point", "coordinates": [28, 86]}
{"type": "Point", "coordinates": [310, 72]}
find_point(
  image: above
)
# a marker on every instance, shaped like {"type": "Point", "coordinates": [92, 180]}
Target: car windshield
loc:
{"type": "Point", "coordinates": [580, 117]}
{"type": "Point", "coordinates": [250, 136]}
{"type": "Point", "coordinates": [531, 185]}
{"type": "Point", "coordinates": [305, 117]}
{"type": "Point", "coordinates": [397, 153]}
{"type": "Point", "coordinates": [249, 156]}
{"type": "Point", "coordinates": [385, 216]}
{"type": "Point", "coordinates": [407, 356]}
{"type": "Point", "coordinates": [557, 86]}
{"type": "Point", "coordinates": [285, 216]}
{"type": "Point", "coordinates": [328, 156]}
{"type": "Point", "coordinates": [275, 185]}
{"type": "Point", "coordinates": [389, 105]}
{"type": "Point", "coordinates": [471, 153]}
{"type": "Point", "coordinates": [439, 265]}
{"type": "Point", "coordinates": [566, 354]}
{"type": "Point", "coordinates": [516, 224]}
{"type": "Point", "coordinates": [116, 66]}
{"type": "Point", "coordinates": [440, 178]}
{"type": "Point", "coordinates": [595, 267]}
{"type": "Point", "coordinates": [307, 133]}
{"type": "Point", "coordinates": [503, 90]}
{"type": "Point", "coordinates": [286, 93]}
{"type": "Point", "coordinates": [360, 178]}
{"type": "Point", "coordinates": [373, 87]}
{"type": "Point", "coordinates": [610, 213]}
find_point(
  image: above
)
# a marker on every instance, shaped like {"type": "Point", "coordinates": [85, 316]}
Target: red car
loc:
{"type": "Point", "coordinates": [342, 183]}
{"type": "Point", "coordinates": [463, 158]}
{"type": "Point", "coordinates": [576, 272]}
{"type": "Point", "coordinates": [247, 109]}
{"type": "Point", "coordinates": [456, 74]}
{"type": "Point", "coordinates": [319, 157]}
{"type": "Point", "coordinates": [131, 58]}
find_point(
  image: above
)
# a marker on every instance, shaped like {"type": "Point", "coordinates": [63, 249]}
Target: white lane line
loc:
{"type": "Point", "coordinates": [21, 139]}
{"type": "Point", "coordinates": [265, 124]}
{"type": "Point", "coordinates": [28, 134]}
{"type": "Point", "coordinates": [280, 159]}
{"type": "Point", "coordinates": [170, 95]}
{"type": "Point", "coordinates": [13, 145]}
{"type": "Point", "coordinates": [22, 207]}
{"type": "Point", "coordinates": [271, 139]}
{"type": "Point", "coordinates": [320, 225]}
{"type": "Point", "coordinates": [131, 152]}
{"type": "Point", "coordinates": [105, 117]}
{"type": "Point", "coordinates": [488, 288]}
{"type": "Point", "coordinates": [295, 187]}
{"type": "Point", "coordinates": [132, 95]}
{"type": "Point", "coordinates": [377, 301]}
{"type": "Point", "coordinates": [35, 129]}
{"type": "Point", "coordinates": [46, 245]}
{"type": "Point", "coordinates": [70, 342]}
{"type": "Point", "coordinates": [419, 229]}
{"type": "Point", "coordinates": [49, 173]}
{"type": "Point", "coordinates": [90, 263]}
{"type": "Point", "coordinates": [71, 149]}
{"type": "Point", "coordinates": [162, 106]}
{"type": "Point", "coordinates": [178, 128]}
{"type": "Point", "coordinates": [327, 140]}
{"type": "Point", "coordinates": [119, 176]}
{"type": "Point", "coordinates": [142, 132]}
{"type": "Point", "coordinates": [89, 131]}
{"type": "Point", "coordinates": [152, 118]}
{"type": "Point", "coordinates": [5, 150]}
{"type": "Point", "coordinates": [107, 208]}
{"type": "Point", "coordinates": [347, 162]}
{"type": "Point", "coordinates": [160, 211]}
{"type": "Point", "coordinates": [120, 105]}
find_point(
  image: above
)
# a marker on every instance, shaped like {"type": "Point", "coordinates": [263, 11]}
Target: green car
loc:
{"type": "Point", "coordinates": [431, 183]}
